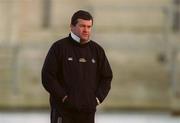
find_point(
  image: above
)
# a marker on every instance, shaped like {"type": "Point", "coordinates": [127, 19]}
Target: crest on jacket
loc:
{"type": "Point", "coordinates": [82, 60]}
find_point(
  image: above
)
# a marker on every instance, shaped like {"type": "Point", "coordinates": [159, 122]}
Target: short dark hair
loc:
{"type": "Point", "coordinates": [81, 14]}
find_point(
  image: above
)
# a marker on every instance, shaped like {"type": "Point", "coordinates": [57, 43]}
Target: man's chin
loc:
{"type": "Point", "coordinates": [85, 39]}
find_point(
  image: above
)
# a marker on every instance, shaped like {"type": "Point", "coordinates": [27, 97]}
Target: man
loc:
{"type": "Point", "coordinates": [76, 73]}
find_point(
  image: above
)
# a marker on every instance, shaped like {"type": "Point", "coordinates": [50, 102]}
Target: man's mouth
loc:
{"type": "Point", "coordinates": [85, 34]}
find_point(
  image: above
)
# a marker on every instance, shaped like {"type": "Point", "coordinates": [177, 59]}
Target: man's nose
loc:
{"type": "Point", "coordinates": [86, 29]}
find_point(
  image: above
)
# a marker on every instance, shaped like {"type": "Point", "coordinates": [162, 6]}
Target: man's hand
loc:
{"type": "Point", "coordinates": [64, 98]}
{"type": "Point", "coordinates": [97, 100]}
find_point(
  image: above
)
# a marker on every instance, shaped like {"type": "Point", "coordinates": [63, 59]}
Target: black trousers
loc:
{"type": "Point", "coordinates": [71, 117]}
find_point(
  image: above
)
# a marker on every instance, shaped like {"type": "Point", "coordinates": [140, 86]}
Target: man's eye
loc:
{"type": "Point", "coordinates": [82, 26]}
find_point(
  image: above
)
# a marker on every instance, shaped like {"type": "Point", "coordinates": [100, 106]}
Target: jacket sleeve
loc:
{"type": "Point", "coordinates": [50, 75]}
{"type": "Point", "coordinates": [105, 77]}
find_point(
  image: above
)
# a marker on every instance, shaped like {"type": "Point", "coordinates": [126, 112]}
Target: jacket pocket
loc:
{"type": "Point", "coordinates": [88, 100]}
{"type": "Point", "coordinates": [81, 100]}
{"type": "Point", "coordinates": [70, 102]}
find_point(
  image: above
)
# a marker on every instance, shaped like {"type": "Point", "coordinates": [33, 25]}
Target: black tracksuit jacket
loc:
{"type": "Point", "coordinates": [80, 71]}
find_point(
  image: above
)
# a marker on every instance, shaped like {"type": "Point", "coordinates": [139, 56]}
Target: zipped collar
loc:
{"type": "Point", "coordinates": [77, 43]}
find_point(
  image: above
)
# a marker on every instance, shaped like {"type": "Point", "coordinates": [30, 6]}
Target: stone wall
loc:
{"type": "Point", "coordinates": [136, 35]}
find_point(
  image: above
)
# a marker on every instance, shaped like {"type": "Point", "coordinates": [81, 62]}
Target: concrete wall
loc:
{"type": "Point", "coordinates": [137, 36]}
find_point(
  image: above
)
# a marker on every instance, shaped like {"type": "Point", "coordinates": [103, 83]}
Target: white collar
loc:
{"type": "Point", "coordinates": [75, 37]}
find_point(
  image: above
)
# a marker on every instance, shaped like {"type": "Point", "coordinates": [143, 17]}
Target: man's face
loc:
{"type": "Point", "coordinates": [82, 29]}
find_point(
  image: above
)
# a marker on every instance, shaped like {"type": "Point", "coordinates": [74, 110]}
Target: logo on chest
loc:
{"type": "Point", "coordinates": [93, 60]}
{"type": "Point", "coordinates": [83, 60]}
{"type": "Point", "coordinates": [70, 59]}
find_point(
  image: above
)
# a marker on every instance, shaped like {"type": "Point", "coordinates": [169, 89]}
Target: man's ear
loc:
{"type": "Point", "coordinates": [71, 26]}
